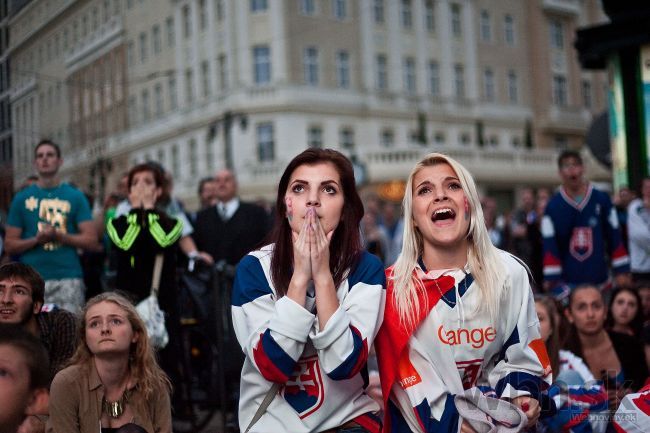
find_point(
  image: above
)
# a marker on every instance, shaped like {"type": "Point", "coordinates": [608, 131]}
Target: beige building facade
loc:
{"type": "Point", "coordinates": [201, 84]}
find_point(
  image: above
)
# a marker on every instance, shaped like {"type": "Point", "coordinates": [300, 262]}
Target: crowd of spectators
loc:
{"type": "Point", "coordinates": [593, 301]}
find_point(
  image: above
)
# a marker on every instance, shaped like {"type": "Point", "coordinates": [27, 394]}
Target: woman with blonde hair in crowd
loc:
{"type": "Point", "coordinates": [459, 312]}
{"type": "Point", "coordinates": [113, 383]}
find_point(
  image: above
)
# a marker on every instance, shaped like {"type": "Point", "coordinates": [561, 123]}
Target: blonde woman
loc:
{"type": "Point", "coordinates": [459, 312]}
{"type": "Point", "coordinates": [113, 383]}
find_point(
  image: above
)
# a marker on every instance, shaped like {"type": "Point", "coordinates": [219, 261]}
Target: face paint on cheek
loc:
{"type": "Point", "coordinates": [466, 209]}
{"type": "Point", "coordinates": [287, 202]}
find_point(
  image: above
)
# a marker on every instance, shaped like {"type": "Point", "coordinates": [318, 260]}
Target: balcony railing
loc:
{"type": "Point", "coordinates": [90, 47]}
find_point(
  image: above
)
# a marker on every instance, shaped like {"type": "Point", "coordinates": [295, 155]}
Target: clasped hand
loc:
{"type": "Point", "coordinates": [311, 249]}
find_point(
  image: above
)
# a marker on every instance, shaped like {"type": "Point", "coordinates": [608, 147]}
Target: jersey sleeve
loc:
{"type": "Point", "coordinates": [344, 342]}
{"type": "Point", "coordinates": [617, 251]}
{"type": "Point", "coordinates": [522, 367]}
{"type": "Point", "coordinates": [272, 333]}
{"type": "Point", "coordinates": [637, 228]}
{"type": "Point", "coordinates": [552, 262]}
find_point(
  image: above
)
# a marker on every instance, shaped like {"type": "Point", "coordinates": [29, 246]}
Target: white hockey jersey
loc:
{"type": "Point", "coordinates": [456, 346]}
{"type": "Point", "coordinates": [323, 373]}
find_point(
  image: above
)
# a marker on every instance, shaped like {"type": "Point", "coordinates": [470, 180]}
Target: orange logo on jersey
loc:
{"type": "Point", "coordinates": [408, 375]}
{"type": "Point", "coordinates": [476, 337]}
{"type": "Point", "coordinates": [539, 348]}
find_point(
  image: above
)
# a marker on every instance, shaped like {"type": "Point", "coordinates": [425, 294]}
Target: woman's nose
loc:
{"type": "Point", "coordinates": [440, 195]}
{"type": "Point", "coordinates": [313, 199]}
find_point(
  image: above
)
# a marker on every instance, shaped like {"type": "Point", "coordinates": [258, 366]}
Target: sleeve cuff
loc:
{"type": "Point", "coordinates": [336, 326]}
{"type": "Point", "coordinates": [291, 320]}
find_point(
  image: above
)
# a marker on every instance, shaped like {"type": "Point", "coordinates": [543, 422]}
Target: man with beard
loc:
{"type": "Point", "coordinates": [21, 298]}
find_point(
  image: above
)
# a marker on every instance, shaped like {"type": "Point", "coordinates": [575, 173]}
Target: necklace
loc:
{"type": "Point", "coordinates": [115, 409]}
{"type": "Point", "coordinates": [452, 303]}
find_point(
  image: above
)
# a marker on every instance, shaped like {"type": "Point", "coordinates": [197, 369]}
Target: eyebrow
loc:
{"type": "Point", "coordinates": [110, 316]}
{"type": "Point", "coordinates": [325, 182]}
{"type": "Point", "coordinates": [448, 178]}
{"type": "Point", "coordinates": [15, 285]}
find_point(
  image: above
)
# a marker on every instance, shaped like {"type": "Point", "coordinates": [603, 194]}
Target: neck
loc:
{"type": "Point", "coordinates": [623, 329]}
{"type": "Point", "coordinates": [593, 340]}
{"type": "Point", "coordinates": [48, 182]}
{"type": "Point", "coordinates": [445, 258]}
{"type": "Point", "coordinates": [113, 371]}
{"type": "Point", "coordinates": [576, 190]}
{"type": "Point", "coordinates": [32, 326]}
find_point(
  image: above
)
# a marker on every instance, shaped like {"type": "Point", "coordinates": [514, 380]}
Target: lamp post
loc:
{"type": "Point", "coordinates": [227, 120]}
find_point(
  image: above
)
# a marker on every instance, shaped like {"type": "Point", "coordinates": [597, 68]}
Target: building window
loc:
{"type": "Point", "coordinates": [387, 138]}
{"type": "Point", "coordinates": [378, 11]}
{"type": "Point", "coordinates": [155, 38]}
{"type": "Point", "coordinates": [223, 71]}
{"type": "Point", "coordinates": [310, 66]}
{"type": "Point", "coordinates": [169, 24]}
{"type": "Point", "coordinates": [262, 64]}
{"type": "Point", "coordinates": [176, 166]}
{"type": "Point", "coordinates": [315, 137]}
{"type": "Point", "coordinates": [382, 72]}
{"type": "Point", "coordinates": [158, 92]}
{"type": "Point", "coordinates": [218, 9]}
{"type": "Point", "coordinates": [340, 9]}
{"type": "Point", "coordinates": [459, 81]}
{"type": "Point", "coordinates": [343, 69]}
{"type": "Point", "coordinates": [488, 84]}
{"type": "Point", "coordinates": [146, 113]}
{"type": "Point", "coordinates": [173, 94]}
{"type": "Point", "coordinates": [434, 78]}
{"type": "Point", "coordinates": [143, 47]}
{"type": "Point", "coordinates": [439, 137]}
{"type": "Point", "coordinates": [465, 139]}
{"type": "Point", "coordinates": [265, 145]}
{"type": "Point", "coordinates": [130, 53]}
{"type": "Point", "coordinates": [429, 16]}
{"type": "Point", "coordinates": [559, 90]}
{"type": "Point", "coordinates": [307, 7]}
{"type": "Point", "coordinates": [557, 34]}
{"type": "Point", "coordinates": [203, 14]}
{"type": "Point", "coordinates": [187, 21]}
{"type": "Point", "coordinates": [513, 91]}
{"type": "Point", "coordinates": [259, 5]}
{"type": "Point", "coordinates": [409, 74]}
{"type": "Point", "coordinates": [456, 27]}
{"type": "Point", "coordinates": [407, 14]}
{"type": "Point", "coordinates": [587, 99]}
{"type": "Point", "coordinates": [494, 141]}
{"type": "Point", "coordinates": [189, 86]}
{"type": "Point", "coordinates": [486, 28]}
{"type": "Point", "coordinates": [160, 155]}
{"type": "Point", "coordinates": [346, 138]}
{"type": "Point", "coordinates": [193, 158]}
{"type": "Point", "coordinates": [209, 156]}
{"type": "Point", "coordinates": [205, 78]}
{"type": "Point", "coordinates": [509, 29]}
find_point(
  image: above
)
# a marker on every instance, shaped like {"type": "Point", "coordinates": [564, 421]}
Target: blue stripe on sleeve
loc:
{"type": "Point", "coordinates": [276, 355]}
{"type": "Point", "coordinates": [448, 421]}
{"type": "Point", "coordinates": [250, 282]}
{"type": "Point", "coordinates": [347, 368]}
{"type": "Point", "coordinates": [369, 270]}
{"type": "Point", "coordinates": [512, 340]}
{"type": "Point", "coordinates": [523, 382]}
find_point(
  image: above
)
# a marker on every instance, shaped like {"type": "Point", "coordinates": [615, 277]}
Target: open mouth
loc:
{"type": "Point", "coordinates": [6, 312]}
{"type": "Point", "coordinates": [443, 215]}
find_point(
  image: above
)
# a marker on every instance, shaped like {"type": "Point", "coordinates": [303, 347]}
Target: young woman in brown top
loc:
{"type": "Point", "coordinates": [113, 383]}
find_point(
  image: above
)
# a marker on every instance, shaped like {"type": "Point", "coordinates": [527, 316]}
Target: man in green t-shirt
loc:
{"type": "Point", "coordinates": [48, 221]}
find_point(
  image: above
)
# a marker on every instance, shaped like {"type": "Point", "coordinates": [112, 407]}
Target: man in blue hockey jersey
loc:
{"type": "Point", "coordinates": [581, 233]}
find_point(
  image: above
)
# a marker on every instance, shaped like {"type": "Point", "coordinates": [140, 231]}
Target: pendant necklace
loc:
{"type": "Point", "coordinates": [442, 294]}
{"type": "Point", "coordinates": [115, 409]}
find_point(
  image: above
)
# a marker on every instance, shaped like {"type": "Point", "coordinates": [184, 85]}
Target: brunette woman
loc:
{"type": "Point", "coordinates": [307, 306]}
{"type": "Point", "coordinates": [615, 358]}
{"type": "Point", "coordinates": [459, 311]}
{"type": "Point", "coordinates": [625, 314]}
{"type": "Point", "coordinates": [113, 383]}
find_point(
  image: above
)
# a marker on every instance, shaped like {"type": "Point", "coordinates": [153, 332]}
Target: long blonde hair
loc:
{"type": "Point", "coordinates": [142, 360]}
{"type": "Point", "coordinates": [482, 257]}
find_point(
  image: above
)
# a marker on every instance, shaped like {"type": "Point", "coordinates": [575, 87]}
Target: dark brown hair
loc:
{"type": "Point", "coordinates": [553, 342]}
{"type": "Point", "coordinates": [572, 341]}
{"type": "Point", "coordinates": [29, 275]}
{"type": "Point", "coordinates": [568, 154]}
{"type": "Point", "coordinates": [47, 141]}
{"type": "Point", "coordinates": [158, 175]}
{"type": "Point", "coordinates": [345, 246]}
{"type": "Point", "coordinates": [636, 324]}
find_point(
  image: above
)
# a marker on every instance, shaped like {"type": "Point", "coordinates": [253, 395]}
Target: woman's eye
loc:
{"type": "Point", "coordinates": [297, 188]}
{"type": "Point", "coordinates": [455, 186]}
{"type": "Point", "coordinates": [424, 190]}
{"type": "Point", "coordinates": [116, 321]}
{"type": "Point", "coordinates": [93, 324]}
{"type": "Point", "coordinates": [3, 372]}
{"type": "Point", "coordinates": [330, 190]}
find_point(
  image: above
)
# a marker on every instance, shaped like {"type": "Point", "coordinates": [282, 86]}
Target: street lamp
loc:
{"type": "Point", "coordinates": [227, 120]}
